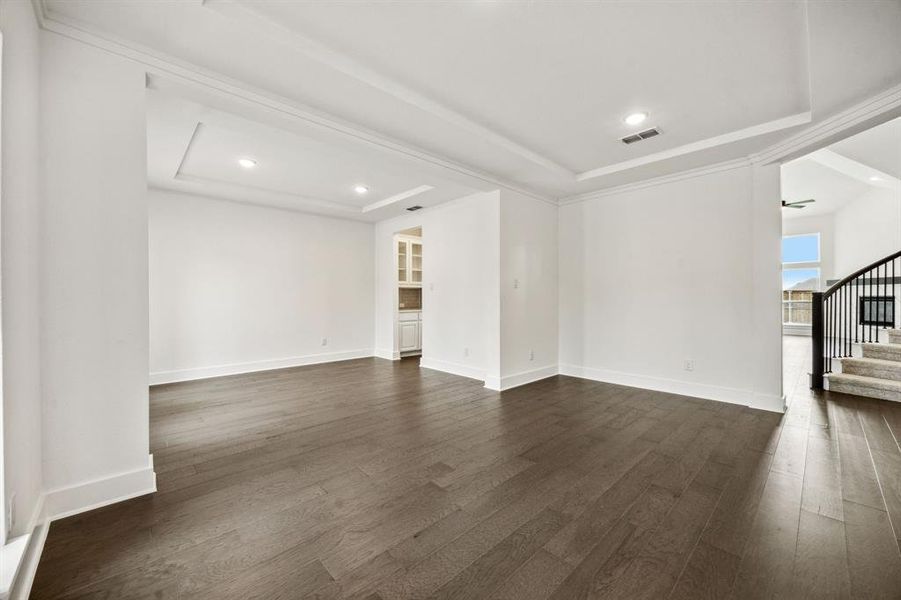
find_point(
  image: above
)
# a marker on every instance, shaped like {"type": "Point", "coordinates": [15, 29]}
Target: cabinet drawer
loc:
{"type": "Point", "coordinates": [409, 316]}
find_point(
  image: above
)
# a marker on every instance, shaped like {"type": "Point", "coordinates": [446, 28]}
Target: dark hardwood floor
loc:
{"type": "Point", "coordinates": [379, 481]}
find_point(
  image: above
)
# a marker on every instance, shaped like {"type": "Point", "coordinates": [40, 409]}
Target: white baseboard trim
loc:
{"type": "Point", "coordinates": [770, 402]}
{"type": "Point", "coordinates": [71, 500]}
{"type": "Point", "coordinates": [675, 386]}
{"type": "Point", "coordinates": [12, 559]}
{"type": "Point", "coordinates": [803, 330]}
{"type": "Point", "coordinates": [517, 379]}
{"type": "Point", "coordinates": [251, 367]}
{"type": "Point", "coordinates": [452, 368]}
{"type": "Point", "coordinates": [18, 569]}
{"type": "Point", "coordinates": [386, 354]}
{"type": "Point", "coordinates": [21, 585]}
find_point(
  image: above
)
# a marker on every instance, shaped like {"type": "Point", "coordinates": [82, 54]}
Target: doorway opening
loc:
{"type": "Point", "coordinates": [841, 214]}
{"type": "Point", "coordinates": [408, 306]}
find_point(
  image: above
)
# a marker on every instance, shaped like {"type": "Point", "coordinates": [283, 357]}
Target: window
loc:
{"type": "Point", "coordinates": [801, 248]}
{"type": "Point", "coordinates": [876, 310]}
{"type": "Point", "coordinates": [800, 277]}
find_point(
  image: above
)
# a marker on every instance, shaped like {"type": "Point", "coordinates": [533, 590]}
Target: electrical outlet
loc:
{"type": "Point", "coordinates": [531, 355]}
{"type": "Point", "coordinates": [465, 351]}
{"type": "Point", "coordinates": [325, 341]}
{"type": "Point", "coordinates": [689, 365]}
{"type": "Point", "coordinates": [516, 284]}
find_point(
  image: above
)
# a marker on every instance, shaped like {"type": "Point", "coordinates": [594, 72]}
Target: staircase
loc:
{"type": "Point", "coordinates": [855, 339]}
{"type": "Point", "coordinates": [877, 374]}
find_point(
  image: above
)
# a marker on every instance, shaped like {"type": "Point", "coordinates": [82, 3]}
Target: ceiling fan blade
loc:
{"type": "Point", "coordinates": [797, 204]}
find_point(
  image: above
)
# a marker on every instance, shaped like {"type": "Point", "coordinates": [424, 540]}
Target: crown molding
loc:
{"type": "Point", "coordinates": [853, 169]}
{"type": "Point", "coordinates": [705, 144]}
{"type": "Point", "coordinates": [226, 188]}
{"type": "Point", "coordinates": [884, 105]}
{"type": "Point", "coordinates": [163, 67]}
{"type": "Point", "coordinates": [245, 194]}
{"type": "Point", "coordinates": [655, 181]}
{"type": "Point", "coordinates": [160, 67]}
{"type": "Point", "coordinates": [397, 198]}
{"type": "Point", "coordinates": [242, 193]}
{"type": "Point", "coordinates": [40, 12]}
{"type": "Point", "coordinates": [246, 15]}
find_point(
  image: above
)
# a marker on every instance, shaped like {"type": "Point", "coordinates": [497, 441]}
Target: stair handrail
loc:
{"type": "Point", "coordinates": [832, 288]}
{"type": "Point", "coordinates": [817, 320]}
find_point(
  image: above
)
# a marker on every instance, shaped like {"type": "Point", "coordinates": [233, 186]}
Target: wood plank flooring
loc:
{"type": "Point", "coordinates": [375, 480]}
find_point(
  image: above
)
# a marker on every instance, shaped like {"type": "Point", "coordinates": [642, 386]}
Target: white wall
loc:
{"type": "Point", "coordinates": [19, 216]}
{"type": "Point", "coordinates": [236, 288]}
{"type": "Point", "coordinates": [460, 302]}
{"type": "Point", "coordinates": [528, 289]}
{"type": "Point", "coordinates": [867, 229]}
{"type": "Point", "coordinates": [685, 270]}
{"type": "Point", "coordinates": [94, 310]}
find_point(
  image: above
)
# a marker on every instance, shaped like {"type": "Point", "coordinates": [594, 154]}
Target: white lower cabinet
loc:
{"type": "Point", "coordinates": [409, 332]}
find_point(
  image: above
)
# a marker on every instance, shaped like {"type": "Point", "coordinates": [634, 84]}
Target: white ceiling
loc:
{"type": "Point", "coordinates": [879, 147]}
{"type": "Point", "coordinates": [527, 94]}
{"type": "Point", "coordinates": [195, 148]}
{"type": "Point", "coordinates": [841, 173]}
{"type": "Point", "coordinates": [804, 178]}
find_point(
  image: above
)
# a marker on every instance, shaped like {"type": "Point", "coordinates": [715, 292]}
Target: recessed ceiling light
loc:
{"type": "Point", "coordinates": [247, 163]}
{"type": "Point", "coordinates": [361, 189]}
{"type": "Point", "coordinates": [875, 178]}
{"type": "Point", "coordinates": [636, 118]}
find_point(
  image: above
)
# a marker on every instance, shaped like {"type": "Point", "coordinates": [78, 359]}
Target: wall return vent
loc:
{"type": "Point", "coordinates": [641, 135]}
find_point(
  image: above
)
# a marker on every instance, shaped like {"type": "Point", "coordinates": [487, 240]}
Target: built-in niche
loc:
{"type": "Point", "coordinates": [409, 298]}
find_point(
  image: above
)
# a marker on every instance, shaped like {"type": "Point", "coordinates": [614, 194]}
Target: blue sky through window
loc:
{"type": "Point", "coordinates": [801, 248]}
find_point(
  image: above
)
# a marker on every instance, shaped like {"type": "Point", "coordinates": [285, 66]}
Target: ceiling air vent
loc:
{"type": "Point", "coordinates": [412, 208]}
{"type": "Point", "coordinates": [641, 135]}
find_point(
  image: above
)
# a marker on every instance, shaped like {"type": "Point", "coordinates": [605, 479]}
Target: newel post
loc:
{"type": "Point", "coordinates": [816, 336]}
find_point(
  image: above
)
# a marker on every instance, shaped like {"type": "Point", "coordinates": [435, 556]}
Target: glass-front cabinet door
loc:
{"type": "Point", "coordinates": [416, 262]}
{"type": "Point", "coordinates": [402, 263]}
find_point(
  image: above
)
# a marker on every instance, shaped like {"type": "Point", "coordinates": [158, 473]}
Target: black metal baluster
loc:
{"type": "Point", "coordinates": [835, 319]}
{"type": "Point", "coordinates": [828, 319]}
{"type": "Point", "coordinates": [841, 315]}
{"type": "Point", "coordinates": [831, 330]}
{"type": "Point", "coordinates": [850, 315]}
{"type": "Point", "coordinates": [876, 306]}
{"type": "Point", "coordinates": [880, 294]}
{"type": "Point", "coordinates": [846, 329]}
{"type": "Point", "coordinates": [826, 332]}
{"type": "Point", "coordinates": [827, 311]}
{"type": "Point", "coordinates": [844, 297]}
{"type": "Point", "coordinates": [836, 325]}
{"type": "Point", "coordinates": [856, 284]}
{"type": "Point", "coordinates": [870, 306]}
{"type": "Point", "coordinates": [847, 297]}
